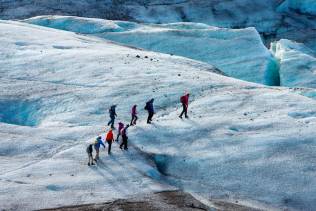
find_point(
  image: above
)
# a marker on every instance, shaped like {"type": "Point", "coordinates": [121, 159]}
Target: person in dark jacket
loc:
{"type": "Point", "coordinates": [90, 156]}
{"type": "Point", "coordinates": [112, 113]}
{"type": "Point", "coordinates": [124, 138]}
{"type": "Point", "coordinates": [185, 104]}
{"type": "Point", "coordinates": [150, 108]}
{"type": "Point", "coordinates": [97, 145]}
{"type": "Point", "coordinates": [134, 115]}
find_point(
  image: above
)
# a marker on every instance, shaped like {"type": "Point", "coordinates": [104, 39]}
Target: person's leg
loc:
{"type": "Point", "coordinates": [89, 157]}
{"type": "Point", "coordinates": [135, 119]}
{"type": "Point", "coordinates": [96, 154]}
{"type": "Point", "coordinates": [117, 137]}
{"type": "Point", "coordinates": [148, 118]}
{"type": "Point", "coordinates": [183, 110]}
{"type": "Point", "coordinates": [123, 141]}
{"type": "Point", "coordinates": [186, 111]}
{"type": "Point", "coordinates": [109, 150]}
{"type": "Point", "coordinates": [112, 125]}
{"type": "Point", "coordinates": [151, 116]}
{"type": "Point", "coordinates": [132, 120]}
{"type": "Point", "coordinates": [126, 140]}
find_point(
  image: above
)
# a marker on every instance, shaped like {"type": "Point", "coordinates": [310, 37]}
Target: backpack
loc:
{"type": "Point", "coordinates": [146, 106]}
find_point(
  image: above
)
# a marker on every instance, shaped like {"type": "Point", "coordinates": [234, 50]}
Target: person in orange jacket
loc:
{"type": "Point", "coordinates": [109, 139]}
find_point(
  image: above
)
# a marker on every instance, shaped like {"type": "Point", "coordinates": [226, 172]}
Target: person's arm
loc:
{"type": "Point", "coordinates": [102, 144]}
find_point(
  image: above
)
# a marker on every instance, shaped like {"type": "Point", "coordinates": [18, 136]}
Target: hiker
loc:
{"type": "Point", "coordinates": [97, 144]}
{"type": "Point", "coordinates": [112, 113]}
{"type": "Point", "coordinates": [109, 139]}
{"type": "Point", "coordinates": [124, 138]}
{"type": "Point", "coordinates": [150, 108]}
{"type": "Point", "coordinates": [134, 115]}
{"type": "Point", "coordinates": [120, 127]}
{"type": "Point", "coordinates": [185, 104]}
{"type": "Point", "coordinates": [89, 151]}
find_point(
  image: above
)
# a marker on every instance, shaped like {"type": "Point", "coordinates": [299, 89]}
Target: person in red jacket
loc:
{"type": "Point", "coordinates": [185, 104]}
{"type": "Point", "coordinates": [109, 139]}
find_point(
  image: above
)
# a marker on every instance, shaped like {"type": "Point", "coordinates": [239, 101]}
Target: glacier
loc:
{"type": "Point", "coordinates": [297, 64]}
{"type": "Point", "coordinates": [244, 141]}
{"type": "Point", "coordinates": [273, 19]}
{"type": "Point", "coordinates": [239, 53]}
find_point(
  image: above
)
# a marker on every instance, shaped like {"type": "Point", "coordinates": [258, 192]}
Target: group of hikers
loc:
{"type": "Point", "coordinates": [122, 129]}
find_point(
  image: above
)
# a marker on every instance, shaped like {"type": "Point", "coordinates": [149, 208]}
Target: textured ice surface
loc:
{"type": "Point", "coordinates": [304, 6]}
{"type": "Point", "coordinates": [297, 64]}
{"type": "Point", "coordinates": [243, 141]}
{"type": "Point", "coordinates": [274, 19]}
{"type": "Point", "coordinates": [239, 53]}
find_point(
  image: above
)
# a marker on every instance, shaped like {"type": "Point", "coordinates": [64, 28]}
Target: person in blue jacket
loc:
{"type": "Point", "coordinates": [150, 108]}
{"type": "Point", "coordinates": [97, 145]}
{"type": "Point", "coordinates": [112, 113]}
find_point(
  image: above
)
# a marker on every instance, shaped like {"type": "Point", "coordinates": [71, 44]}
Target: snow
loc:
{"type": "Point", "coordinates": [297, 64]}
{"type": "Point", "coordinates": [239, 53]}
{"type": "Point", "coordinates": [243, 141]}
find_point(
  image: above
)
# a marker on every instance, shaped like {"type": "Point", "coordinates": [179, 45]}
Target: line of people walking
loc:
{"type": "Point", "coordinates": [122, 129]}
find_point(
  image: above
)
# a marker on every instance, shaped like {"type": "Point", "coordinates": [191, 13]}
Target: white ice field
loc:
{"type": "Point", "coordinates": [243, 141]}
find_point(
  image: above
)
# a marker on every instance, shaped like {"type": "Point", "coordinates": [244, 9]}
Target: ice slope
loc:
{"type": "Point", "coordinates": [273, 19]}
{"type": "Point", "coordinates": [243, 141]}
{"type": "Point", "coordinates": [239, 53]}
{"type": "Point", "coordinates": [297, 64]}
{"type": "Point", "coordinates": [56, 88]}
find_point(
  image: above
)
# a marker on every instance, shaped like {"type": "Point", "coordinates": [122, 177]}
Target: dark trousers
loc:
{"type": "Point", "coordinates": [150, 116]}
{"type": "Point", "coordinates": [124, 142]}
{"type": "Point", "coordinates": [118, 135]}
{"type": "Point", "coordinates": [111, 122]}
{"type": "Point", "coordinates": [134, 119]}
{"type": "Point", "coordinates": [110, 144]}
{"type": "Point", "coordinates": [90, 162]}
{"type": "Point", "coordinates": [184, 110]}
